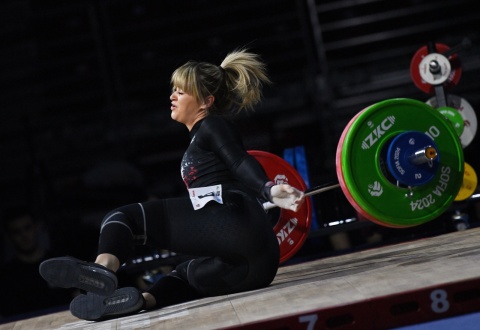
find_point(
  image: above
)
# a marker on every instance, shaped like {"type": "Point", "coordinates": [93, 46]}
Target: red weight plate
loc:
{"type": "Point", "coordinates": [453, 78]}
{"type": "Point", "coordinates": [292, 228]}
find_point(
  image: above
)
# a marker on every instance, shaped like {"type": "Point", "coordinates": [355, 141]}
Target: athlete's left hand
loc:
{"type": "Point", "coordinates": [287, 197]}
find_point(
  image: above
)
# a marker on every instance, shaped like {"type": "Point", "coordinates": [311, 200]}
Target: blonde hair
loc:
{"type": "Point", "coordinates": [236, 84]}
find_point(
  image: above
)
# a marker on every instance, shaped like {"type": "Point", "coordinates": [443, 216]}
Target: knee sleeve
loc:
{"type": "Point", "coordinates": [171, 290]}
{"type": "Point", "coordinates": [119, 231]}
{"type": "Point", "coordinates": [213, 276]}
{"type": "Point", "coordinates": [132, 217]}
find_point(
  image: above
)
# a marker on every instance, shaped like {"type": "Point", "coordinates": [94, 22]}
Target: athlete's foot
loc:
{"type": "Point", "coordinates": [92, 307]}
{"type": "Point", "coordinates": [69, 272]}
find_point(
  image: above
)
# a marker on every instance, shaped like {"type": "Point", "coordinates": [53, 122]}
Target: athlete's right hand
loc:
{"type": "Point", "coordinates": [287, 197]}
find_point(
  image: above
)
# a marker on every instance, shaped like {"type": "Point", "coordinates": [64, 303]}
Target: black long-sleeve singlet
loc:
{"type": "Point", "coordinates": [216, 155]}
{"type": "Point", "coordinates": [236, 247]}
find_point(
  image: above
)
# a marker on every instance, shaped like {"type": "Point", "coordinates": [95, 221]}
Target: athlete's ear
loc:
{"type": "Point", "coordinates": [208, 102]}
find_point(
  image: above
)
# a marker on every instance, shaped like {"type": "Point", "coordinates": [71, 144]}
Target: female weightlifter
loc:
{"type": "Point", "coordinates": [222, 222]}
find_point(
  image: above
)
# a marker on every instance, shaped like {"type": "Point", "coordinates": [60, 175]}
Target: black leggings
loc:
{"type": "Point", "coordinates": [236, 247]}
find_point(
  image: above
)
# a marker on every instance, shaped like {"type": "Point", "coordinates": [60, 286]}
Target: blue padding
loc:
{"type": "Point", "coordinates": [297, 158]}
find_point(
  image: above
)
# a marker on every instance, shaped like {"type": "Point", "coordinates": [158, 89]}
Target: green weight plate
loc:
{"type": "Point", "coordinates": [466, 111]}
{"type": "Point", "coordinates": [366, 181]}
{"type": "Point", "coordinates": [454, 117]}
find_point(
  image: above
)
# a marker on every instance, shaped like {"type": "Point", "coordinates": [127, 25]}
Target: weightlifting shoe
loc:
{"type": "Point", "coordinates": [69, 272]}
{"type": "Point", "coordinates": [92, 307]}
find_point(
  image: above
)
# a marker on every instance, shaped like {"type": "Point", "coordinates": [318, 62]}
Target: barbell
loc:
{"type": "Point", "coordinates": [399, 163]}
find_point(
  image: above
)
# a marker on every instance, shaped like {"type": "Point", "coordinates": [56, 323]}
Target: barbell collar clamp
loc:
{"type": "Point", "coordinates": [434, 67]}
{"type": "Point", "coordinates": [423, 155]}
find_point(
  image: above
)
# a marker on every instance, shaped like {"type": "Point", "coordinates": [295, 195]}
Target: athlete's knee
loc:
{"type": "Point", "coordinates": [131, 217]}
{"type": "Point", "coordinates": [212, 276]}
{"type": "Point", "coordinates": [119, 234]}
{"type": "Point", "coordinates": [117, 217]}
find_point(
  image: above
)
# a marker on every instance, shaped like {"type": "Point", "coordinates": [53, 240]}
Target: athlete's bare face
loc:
{"type": "Point", "coordinates": [186, 109]}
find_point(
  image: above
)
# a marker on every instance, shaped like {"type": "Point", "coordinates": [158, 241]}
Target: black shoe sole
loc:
{"type": "Point", "coordinates": [69, 272]}
{"type": "Point", "coordinates": [92, 307]}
